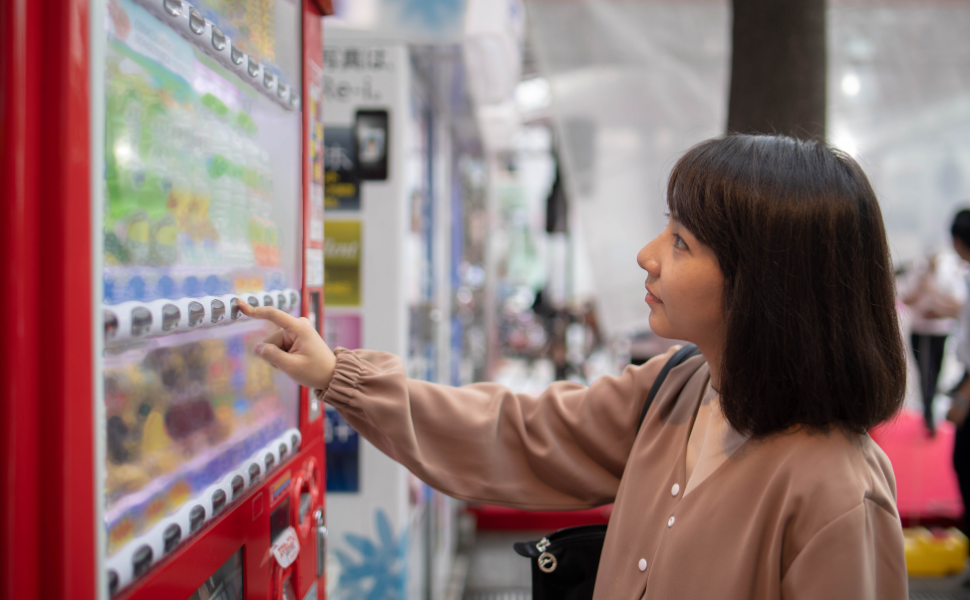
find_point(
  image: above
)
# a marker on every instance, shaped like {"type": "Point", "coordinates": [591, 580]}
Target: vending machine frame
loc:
{"type": "Point", "coordinates": [52, 544]}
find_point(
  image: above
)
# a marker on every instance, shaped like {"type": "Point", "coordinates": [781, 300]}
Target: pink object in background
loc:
{"type": "Point", "coordinates": [343, 331]}
{"type": "Point", "coordinates": [926, 484]}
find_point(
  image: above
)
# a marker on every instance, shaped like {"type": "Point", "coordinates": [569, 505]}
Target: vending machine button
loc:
{"type": "Point", "coordinates": [282, 91]}
{"type": "Point", "coordinates": [253, 68]}
{"type": "Point", "coordinates": [238, 484]}
{"type": "Point", "coordinates": [141, 560]}
{"type": "Point", "coordinates": [218, 501]}
{"type": "Point", "coordinates": [218, 311]}
{"type": "Point", "coordinates": [236, 56]}
{"type": "Point", "coordinates": [196, 313]}
{"type": "Point", "coordinates": [283, 451]}
{"type": "Point", "coordinates": [172, 537]}
{"type": "Point", "coordinates": [269, 460]}
{"type": "Point", "coordinates": [253, 472]}
{"type": "Point", "coordinates": [234, 309]}
{"type": "Point", "coordinates": [171, 315]}
{"type": "Point", "coordinates": [294, 300]}
{"type": "Point", "coordinates": [141, 321]}
{"type": "Point", "coordinates": [267, 79]}
{"type": "Point", "coordinates": [196, 518]}
{"type": "Point", "coordinates": [110, 324]}
{"type": "Point", "coordinates": [281, 301]}
{"type": "Point", "coordinates": [253, 301]}
{"type": "Point", "coordinates": [112, 582]}
{"type": "Point", "coordinates": [196, 23]}
{"type": "Point", "coordinates": [218, 40]}
{"type": "Point", "coordinates": [173, 7]}
{"type": "Point", "coordinates": [295, 442]}
{"type": "Point", "coordinates": [267, 300]}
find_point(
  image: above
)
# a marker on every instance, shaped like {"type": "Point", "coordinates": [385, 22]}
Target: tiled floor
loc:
{"type": "Point", "coordinates": [496, 572]}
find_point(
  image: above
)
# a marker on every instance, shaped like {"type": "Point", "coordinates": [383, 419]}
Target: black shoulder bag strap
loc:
{"type": "Point", "coordinates": [679, 357]}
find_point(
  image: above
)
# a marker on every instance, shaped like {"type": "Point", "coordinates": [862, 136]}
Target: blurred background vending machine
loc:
{"type": "Point", "coordinates": [174, 462]}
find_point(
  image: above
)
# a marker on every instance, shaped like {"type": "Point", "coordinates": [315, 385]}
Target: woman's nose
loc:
{"type": "Point", "coordinates": [647, 262]}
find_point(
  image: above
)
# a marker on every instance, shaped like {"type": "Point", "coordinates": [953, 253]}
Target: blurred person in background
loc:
{"type": "Point", "coordinates": [960, 396]}
{"type": "Point", "coordinates": [934, 290]}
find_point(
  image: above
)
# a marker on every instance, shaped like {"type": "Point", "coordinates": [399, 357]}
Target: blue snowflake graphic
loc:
{"type": "Point", "coordinates": [379, 574]}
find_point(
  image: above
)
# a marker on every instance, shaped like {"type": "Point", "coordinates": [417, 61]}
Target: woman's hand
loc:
{"type": "Point", "coordinates": [296, 348]}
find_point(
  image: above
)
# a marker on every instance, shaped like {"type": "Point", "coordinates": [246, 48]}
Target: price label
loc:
{"type": "Point", "coordinates": [286, 548]}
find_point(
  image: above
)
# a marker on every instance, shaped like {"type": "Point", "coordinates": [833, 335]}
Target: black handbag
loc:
{"type": "Point", "coordinates": [564, 563]}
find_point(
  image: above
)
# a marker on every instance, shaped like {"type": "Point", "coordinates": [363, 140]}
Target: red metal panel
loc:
{"type": "Point", "coordinates": [48, 434]}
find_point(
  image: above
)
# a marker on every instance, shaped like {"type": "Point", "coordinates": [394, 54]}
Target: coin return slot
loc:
{"type": "Point", "coordinates": [218, 501]}
{"type": "Point", "coordinates": [172, 537]}
{"type": "Point", "coordinates": [238, 484]}
{"type": "Point", "coordinates": [196, 518]}
{"type": "Point", "coordinates": [141, 560]}
{"type": "Point", "coordinates": [196, 23]}
{"type": "Point", "coordinates": [110, 324]}
{"type": "Point", "coordinates": [218, 40]}
{"type": "Point", "coordinates": [171, 315]}
{"type": "Point", "coordinates": [196, 313]}
{"type": "Point", "coordinates": [218, 311]}
{"type": "Point", "coordinates": [141, 321]}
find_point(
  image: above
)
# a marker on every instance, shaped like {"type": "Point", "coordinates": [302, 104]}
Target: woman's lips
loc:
{"type": "Point", "coordinates": [652, 299]}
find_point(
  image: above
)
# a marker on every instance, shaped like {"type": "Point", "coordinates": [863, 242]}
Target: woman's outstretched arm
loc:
{"type": "Point", "coordinates": [565, 449]}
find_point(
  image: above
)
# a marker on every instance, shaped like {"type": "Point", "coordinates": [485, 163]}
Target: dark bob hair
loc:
{"type": "Point", "coordinates": [812, 335]}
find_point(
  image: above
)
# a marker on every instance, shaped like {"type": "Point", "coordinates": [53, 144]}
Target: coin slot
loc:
{"type": "Point", "coordinates": [196, 518]}
{"type": "Point", "coordinates": [172, 537]}
{"type": "Point", "coordinates": [238, 484]}
{"type": "Point", "coordinates": [171, 315]}
{"type": "Point", "coordinates": [218, 501]}
{"type": "Point", "coordinates": [218, 40]}
{"type": "Point", "coordinates": [110, 324]}
{"type": "Point", "coordinates": [196, 23]}
{"type": "Point", "coordinates": [218, 311]}
{"type": "Point", "coordinates": [141, 560]}
{"type": "Point", "coordinates": [141, 321]}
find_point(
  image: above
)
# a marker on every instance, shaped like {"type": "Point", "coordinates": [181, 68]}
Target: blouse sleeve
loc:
{"type": "Point", "coordinates": [565, 449]}
{"type": "Point", "coordinates": [859, 555]}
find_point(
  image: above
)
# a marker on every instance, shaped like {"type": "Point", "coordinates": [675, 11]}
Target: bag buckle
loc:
{"type": "Point", "coordinates": [547, 562]}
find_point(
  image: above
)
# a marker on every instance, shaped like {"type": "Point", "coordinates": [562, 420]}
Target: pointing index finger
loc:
{"type": "Point", "coordinates": [268, 313]}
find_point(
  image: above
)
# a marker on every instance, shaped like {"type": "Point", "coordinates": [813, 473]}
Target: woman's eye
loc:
{"type": "Point", "coordinates": [679, 242]}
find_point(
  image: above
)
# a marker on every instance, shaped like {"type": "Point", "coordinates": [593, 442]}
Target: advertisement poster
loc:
{"type": "Point", "coordinates": [343, 454]}
{"type": "Point", "coordinates": [341, 186]}
{"type": "Point", "coordinates": [341, 270]}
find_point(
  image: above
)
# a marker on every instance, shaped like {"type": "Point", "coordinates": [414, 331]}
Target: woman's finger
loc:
{"type": "Point", "coordinates": [280, 359]}
{"type": "Point", "coordinates": [268, 313]}
{"type": "Point", "coordinates": [278, 339]}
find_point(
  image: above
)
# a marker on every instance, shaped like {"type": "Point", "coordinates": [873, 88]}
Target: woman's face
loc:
{"type": "Point", "coordinates": [685, 287]}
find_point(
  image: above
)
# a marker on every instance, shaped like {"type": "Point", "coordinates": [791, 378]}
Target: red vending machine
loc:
{"type": "Point", "coordinates": [161, 165]}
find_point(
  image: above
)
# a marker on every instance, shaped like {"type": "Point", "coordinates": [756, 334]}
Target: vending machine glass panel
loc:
{"type": "Point", "coordinates": [202, 211]}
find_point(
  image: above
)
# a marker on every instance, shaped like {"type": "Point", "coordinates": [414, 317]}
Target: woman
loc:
{"type": "Point", "coordinates": [752, 476]}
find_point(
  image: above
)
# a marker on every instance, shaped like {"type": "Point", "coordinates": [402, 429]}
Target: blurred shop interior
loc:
{"type": "Point", "coordinates": [527, 149]}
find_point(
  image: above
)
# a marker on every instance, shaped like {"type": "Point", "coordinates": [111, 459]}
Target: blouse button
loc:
{"type": "Point", "coordinates": [670, 522]}
{"type": "Point", "coordinates": [642, 564]}
{"type": "Point", "coordinates": [675, 490]}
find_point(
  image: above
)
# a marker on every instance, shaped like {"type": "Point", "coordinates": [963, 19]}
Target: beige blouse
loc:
{"type": "Point", "coordinates": [797, 515]}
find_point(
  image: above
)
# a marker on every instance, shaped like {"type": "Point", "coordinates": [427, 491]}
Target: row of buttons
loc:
{"type": "Point", "coordinates": [190, 23]}
{"type": "Point", "coordinates": [135, 558]}
{"type": "Point", "coordinates": [642, 563]}
{"type": "Point", "coordinates": [134, 319]}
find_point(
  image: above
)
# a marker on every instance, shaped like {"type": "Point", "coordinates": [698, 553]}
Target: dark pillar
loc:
{"type": "Point", "coordinates": [778, 68]}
